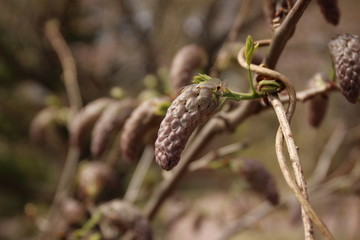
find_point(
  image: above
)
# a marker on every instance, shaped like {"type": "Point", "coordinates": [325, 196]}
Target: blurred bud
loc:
{"type": "Point", "coordinates": [46, 126]}
{"type": "Point", "coordinates": [85, 119]}
{"type": "Point", "coordinates": [258, 177]}
{"type": "Point", "coordinates": [72, 210]}
{"type": "Point", "coordinates": [117, 93]}
{"type": "Point", "coordinates": [185, 65]}
{"type": "Point", "coordinates": [126, 217]}
{"type": "Point", "coordinates": [141, 127]}
{"type": "Point", "coordinates": [92, 177]}
{"type": "Point", "coordinates": [318, 105]}
{"type": "Point", "coordinates": [109, 124]}
{"type": "Point", "coordinates": [330, 10]}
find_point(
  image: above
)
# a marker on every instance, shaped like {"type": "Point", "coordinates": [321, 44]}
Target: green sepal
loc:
{"type": "Point", "coordinates": [200, 78]}
{"type": "Point", "coordinates": [270, 86]}
{"type": "Point", "coordinates": [162, 108]}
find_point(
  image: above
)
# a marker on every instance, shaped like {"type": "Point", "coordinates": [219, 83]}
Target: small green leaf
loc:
{"type": "Point", "coordinates": [201, 78]}
{"type": "Point", "coordinates": [249, 50]}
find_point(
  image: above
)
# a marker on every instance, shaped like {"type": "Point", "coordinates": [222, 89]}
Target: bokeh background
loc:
{"type": "Point", "coordinates": [117, 43]}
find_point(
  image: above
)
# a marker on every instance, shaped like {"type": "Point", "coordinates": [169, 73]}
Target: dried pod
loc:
{"type": "Point", "coordinates": [92, 178]}
{"type": "Point", "coordinates": [110, 122]}
{"type": "Point", "coordinates": [127, 217]}
{"type": "Point", "coordinates": [345, 51]}
{"type": "Point", "coordinates": [85, 119]}
{"type": "Point", "coordinates": [185, 64]}
{"type": "Point", "coordinates": [330, 10]}
{"type": "Point", "coordinates": [318, 105]}
{"type": "Point", "coordinates": [72, 210]}
{"type": "Point", "coordinates": [259, 179]}
{"type": "Point", "coordinates": [138, 128]}
{"type": "Point", "coordinates": [196, 104]}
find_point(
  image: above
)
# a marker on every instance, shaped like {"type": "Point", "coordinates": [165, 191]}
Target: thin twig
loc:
{"type": "Point", "coordinates": [142, 168]}
{"type": "Point", "coordinates": [204, 161]}
{"type": "Point", "coordinates": [72, 88]}
{"type": "Point", "coordinates": [68, 64]}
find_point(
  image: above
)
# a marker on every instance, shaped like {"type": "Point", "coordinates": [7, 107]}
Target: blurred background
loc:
{"type": "Point", "coordinates": [117, 43]}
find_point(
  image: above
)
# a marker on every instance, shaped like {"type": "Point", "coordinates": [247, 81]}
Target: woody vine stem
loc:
{"type": "Point", "coordinates": [299, 188]}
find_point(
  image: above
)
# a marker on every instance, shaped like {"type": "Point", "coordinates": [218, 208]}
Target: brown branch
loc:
{"type": "Point", "coordinates": [72, 88]}
{"type": "Point", "coordinates": [68, 64]}
{"type": "Point", "coordinates": [284, 32]}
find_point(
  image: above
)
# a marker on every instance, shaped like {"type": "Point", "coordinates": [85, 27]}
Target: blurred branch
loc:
{"type": "Point", "coordinates": [68, 64]}
{"type": "Point", "coordinates": [142, 168]}
{"type": "Point", "coordinates": [142, 36]}
{"type": "Point", "coordinates": [330, 149]}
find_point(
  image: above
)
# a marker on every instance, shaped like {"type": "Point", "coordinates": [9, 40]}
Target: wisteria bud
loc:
{"type": "Point", "coordinates": [85, 119]}
{"type": "Point", "coordinates": [259, 178]}
{"type": "Point", "coordinates": [345, 51]}
{"type": "Point", "coordinates": [138, 128]}
{"type": "Point", "coordinates": [185, 65]}
{"type": "Point", "coordinates": [318, 105]}
{"type": "Point", "coordinates": [330, 10]}
{"type": "Point", "coordinates": [110, 122]}
{"type": "Point", "coordinates": [92, 178]}
{"type": "Point", "coordinates": [195, 105]}
{"type": "Point", "coordinates": [126, 216]}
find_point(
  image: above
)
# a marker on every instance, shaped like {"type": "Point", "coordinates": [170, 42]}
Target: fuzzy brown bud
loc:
{"type": "Point", "coordinates": [345, 51]}
{"type": "Point", "coordinates": [45, 128]}
{"type": "Point", "coordinates": [125, 216]}
{"type": "Point", "coordinates": [85, 119]}
{"type": "Point", "coordinates": [318, 105]}
{"type": "Point", "coordinates": [140, 126]}
{"type": "Point", "coordinates": [259, 179]}
{"type": "Point", "coordinates": [110, 122]}
{"type": "Point", "coordinates": [92, 178]}
{"type": "Point", "coordinates": [330, 10]}
{"type": "Point", "coordinates": [196, 104]}
{"type": "Point", "coordinates": [72, 210]}
{"type": "Point", "coordinates": [185, 64]}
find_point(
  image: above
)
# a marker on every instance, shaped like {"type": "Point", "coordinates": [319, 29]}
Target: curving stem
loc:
{"type": "Point", "coordinates": [285, 132]}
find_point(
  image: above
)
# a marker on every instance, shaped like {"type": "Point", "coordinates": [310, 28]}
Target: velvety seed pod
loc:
{"type": "Point", "coordinates": [139, 127]}
{"type": "Point", "coordinates": [110, 122]}
{"type": "Point", "coordinates": [318, 105]}
{"type": "Point", "coordinates": [195, 105]}
{"type": "Point", "coordinates": [259, 179]}
{"type": "Point", "coordinates": [185, 65]}
{"type": "Point", "coordinates": [345, 51]}
{"type": "Point", "coordinates": [84, 121]}
{"type": "Point", "coordinates": [92, 178]}
{"type": "Point", "coordinates": [127, 217]}
{"type": "Point", "coordinates": [330, 10]}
